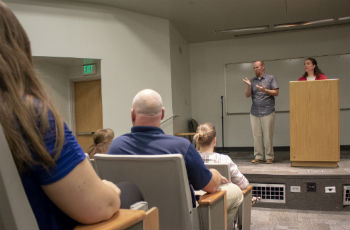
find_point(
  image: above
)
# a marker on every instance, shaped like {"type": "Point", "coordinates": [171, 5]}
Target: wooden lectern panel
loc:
{"type": "Point", "coordinates": [314, 123]}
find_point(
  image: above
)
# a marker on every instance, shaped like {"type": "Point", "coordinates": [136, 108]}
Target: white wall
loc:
{"type": "Point", "coordinates": [207, 76]}
{"type": "Point", "coordinates": [180, 80]}
{"type": "Point", "coordinates": [55, 80]}
{"type": "Point", "coordinates": [133, 48]}
{"type": "Point", "coordinates": [57, 76]}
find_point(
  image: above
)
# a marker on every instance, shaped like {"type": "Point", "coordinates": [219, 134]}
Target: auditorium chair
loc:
{"type": "Point", "coordinates": [163, 182]}
{"type": "Point", "coordinates": [223, 169]}
{"type": "Point", "coordinates": [16, 212]}
{"type": "Point", "coordinates": [244, 210]}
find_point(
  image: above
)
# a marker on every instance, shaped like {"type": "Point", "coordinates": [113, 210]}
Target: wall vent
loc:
{"type": "Point", "coordinates": [270, 193]}
{"type": "Point", "coordinates": [346, 198]}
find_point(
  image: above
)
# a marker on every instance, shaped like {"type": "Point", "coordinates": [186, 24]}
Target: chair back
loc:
{"type": "Point", "coordinates": [15, 211]}
{"type": "Point", "coordinates": [223, 169]}
{"type": "Point", "coordinates": [162, 180]}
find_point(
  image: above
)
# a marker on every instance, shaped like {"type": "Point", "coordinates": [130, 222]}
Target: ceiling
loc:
{"type": "Point", "coordinates": [198, 20]}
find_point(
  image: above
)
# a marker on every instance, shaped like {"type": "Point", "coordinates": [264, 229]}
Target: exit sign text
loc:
{"type": "Point", "coordinates": [88, 69]}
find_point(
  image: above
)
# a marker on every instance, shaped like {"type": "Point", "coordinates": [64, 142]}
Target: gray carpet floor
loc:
{"type": "Point", "coordinates": [287, 219]}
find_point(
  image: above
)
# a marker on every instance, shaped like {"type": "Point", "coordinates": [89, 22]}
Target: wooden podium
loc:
{"type": "Point", "coordinates": [314, 123]}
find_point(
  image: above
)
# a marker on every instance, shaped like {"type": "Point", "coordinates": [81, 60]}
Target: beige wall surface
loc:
{"type": "Point", "coordinates": [55, 80]}
{"type": "Point", "coordinates": [139, 51]}
{"type": "Point", "coordinates": [133, 48]}
{"type": "Point", "coordinates": [180, 81]}
{"type": "Point", "coordinates": [208, 62]}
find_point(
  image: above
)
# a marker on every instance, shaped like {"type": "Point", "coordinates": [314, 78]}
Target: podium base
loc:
{"type": "Point", "coordinates": [326, 164]}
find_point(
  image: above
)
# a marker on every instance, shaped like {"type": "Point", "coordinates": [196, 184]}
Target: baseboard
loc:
{"type": "Point", "coordinates": [248, 149]}
{"type": "Point", "coordinates": [276, 148]}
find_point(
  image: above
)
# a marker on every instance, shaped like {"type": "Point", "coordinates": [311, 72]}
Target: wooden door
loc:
{"type": "Point", "coordinates": [88, 111]}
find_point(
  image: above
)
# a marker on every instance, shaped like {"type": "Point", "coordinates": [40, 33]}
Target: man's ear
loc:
{"type": "Point", "coordinates": [163, 112]}
{"type": "Point", "coordinates": [214, 141]}
{"type": "Point", "coordinates": [133, 115]}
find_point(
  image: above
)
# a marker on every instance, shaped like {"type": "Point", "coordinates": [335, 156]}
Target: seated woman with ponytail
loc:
{"type": "Point", "coordinates": [102, 140]}
{"type": "Point", "coordinates": [205, 140]}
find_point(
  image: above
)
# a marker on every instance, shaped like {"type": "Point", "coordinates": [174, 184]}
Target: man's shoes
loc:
{"type": "Point", "coordinates": [256, 161]}
{"type": "Point", "coordinates": [269, 161]}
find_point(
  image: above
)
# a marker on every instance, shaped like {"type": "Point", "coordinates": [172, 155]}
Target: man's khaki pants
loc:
{"type": "Point", "coordinates": [262, 128]}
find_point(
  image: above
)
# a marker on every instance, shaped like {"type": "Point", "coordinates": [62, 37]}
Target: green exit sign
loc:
{"type": "Point", "coordinates": [88, 69]}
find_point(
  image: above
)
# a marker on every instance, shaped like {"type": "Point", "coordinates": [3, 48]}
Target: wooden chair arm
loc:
{"type": "Point", "coordinates": [213, 210]}
{"type": "Point", "coordinates": [247, 190]}
{"type": "Point", "coordinates": [151, 221]}
{"type": "Point", "coordinates": [211, 198]}
{"type": "Point", "coordinates": [123, 219]}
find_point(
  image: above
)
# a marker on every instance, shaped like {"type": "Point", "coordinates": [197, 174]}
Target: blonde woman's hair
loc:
{"type": "Point", "coordinates": [102, 140]}
{"type": "Point", "coordinates": [205, 135]}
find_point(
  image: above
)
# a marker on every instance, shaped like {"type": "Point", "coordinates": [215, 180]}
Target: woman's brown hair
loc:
{"type": "Point", "coordinates": [102, 140]}
{"type": "Point", "coordinates": [205, 135]}
{"type": "Point", "coordinates": [317, 71]}
{"type": "Point", "coordinates": [24, 105]}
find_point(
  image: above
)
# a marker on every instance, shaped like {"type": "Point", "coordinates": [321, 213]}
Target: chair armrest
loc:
{"type": "Point", "coordinates": [247, 190]}
{"type": "Point", "coordinates": [123, 219]}
{"type": "Point", "coordinates": [151, 221]}
{"type": "Point", "coordinates": [244, 212]}
{"type": "Point", "coordinates": [211, 198]}
{"type": "Point", "coordinates": [213, 211]}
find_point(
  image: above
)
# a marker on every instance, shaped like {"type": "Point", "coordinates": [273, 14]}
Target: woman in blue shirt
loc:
{"type": "Point", "coordinates": [62, 187]}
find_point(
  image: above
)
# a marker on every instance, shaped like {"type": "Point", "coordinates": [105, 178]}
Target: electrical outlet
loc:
{"type": "Point", "coordinates": [294, 188]}
{"type": "Point", "coordinates": [329, 189]}
{"type": "Point", "coordinates": [311, 187]}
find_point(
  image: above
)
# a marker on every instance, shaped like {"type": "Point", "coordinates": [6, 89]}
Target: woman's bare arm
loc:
{"type": "Point", "coordinates": [83, 196]}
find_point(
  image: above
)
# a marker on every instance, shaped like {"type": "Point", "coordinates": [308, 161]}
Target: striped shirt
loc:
{"type": "Point", "coordinates": [236, 176]}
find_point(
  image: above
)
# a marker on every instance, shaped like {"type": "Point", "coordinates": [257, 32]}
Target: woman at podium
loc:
{"type": "Point", "coordinates": [312, 72]}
